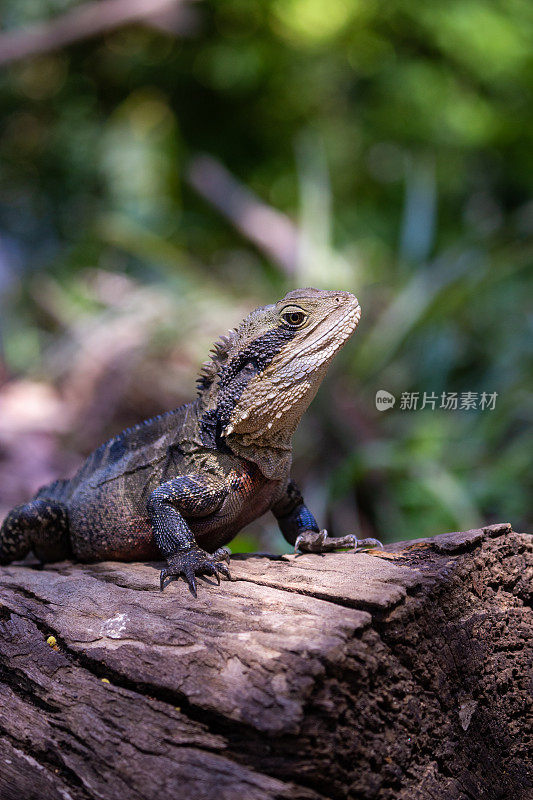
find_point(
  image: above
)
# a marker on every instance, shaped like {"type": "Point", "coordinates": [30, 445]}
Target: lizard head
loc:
{"type": "Point", "coordinates": [263, 376]}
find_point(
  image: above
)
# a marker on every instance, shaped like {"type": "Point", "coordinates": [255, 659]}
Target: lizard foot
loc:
{"type": "Point", "coordinates": [195, 561]}
{"type": "Point", "coordinates": [320, 542]}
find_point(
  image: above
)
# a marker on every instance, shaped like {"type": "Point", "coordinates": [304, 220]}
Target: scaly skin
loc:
{"type": "Point", "coordinates": [183, 484]}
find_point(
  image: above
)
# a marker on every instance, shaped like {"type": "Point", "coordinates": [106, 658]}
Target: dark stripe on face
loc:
{"type": "Point", "coordinates": [234, 378]}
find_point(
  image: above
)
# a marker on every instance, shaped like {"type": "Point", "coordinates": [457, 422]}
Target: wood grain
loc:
{"type": "Point", "coordinates": [403, 674]}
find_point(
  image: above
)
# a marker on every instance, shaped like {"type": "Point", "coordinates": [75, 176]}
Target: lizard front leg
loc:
{"type": "Point", "coordinates": [300, 529]}
{"type": "Point", "coordinates": [187, 496]}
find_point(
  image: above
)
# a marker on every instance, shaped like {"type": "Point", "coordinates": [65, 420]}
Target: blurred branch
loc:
{"type": "Point", "coordinates": [320, 264]}
{"type": "Point", "coordinates": [270, 230]}
{"type": "Point", "coordinates": [93, 19]}
{"type": "Point", "coordinates": [420, 210]}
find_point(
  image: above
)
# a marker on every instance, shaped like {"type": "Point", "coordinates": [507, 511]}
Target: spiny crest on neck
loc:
{"type": "Point", "coordinates": [231, 343]}
{"type": "Point", "coordinates": [219, 356]}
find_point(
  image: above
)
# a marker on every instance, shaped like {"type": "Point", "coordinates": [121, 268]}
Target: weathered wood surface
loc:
{"type": "Point", "coordinates": [403, 675]}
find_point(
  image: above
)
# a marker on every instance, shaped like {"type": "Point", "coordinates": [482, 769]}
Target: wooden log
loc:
{"type": "Point", "coordinates": [400, 674]}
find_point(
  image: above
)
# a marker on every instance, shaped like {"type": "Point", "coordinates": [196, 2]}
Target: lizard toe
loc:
{"type": "Point", "coordinates": [367, 544]}
{"type": "Point", "coordinates": [222, 554]}
{"type": "Point", "coordinates": [221, 567]}
{"type": "Point", "coordinates": [211, 569]}
{"type": "Point", "coordinates": [191, 580]}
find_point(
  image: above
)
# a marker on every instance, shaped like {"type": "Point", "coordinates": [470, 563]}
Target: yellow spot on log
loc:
{"type": "Point", "coordinates": [52, 641]}
{"type": "Point", "coordinates": [104, 680]}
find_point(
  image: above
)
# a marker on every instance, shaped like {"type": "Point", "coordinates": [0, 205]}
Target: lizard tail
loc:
{"type": "Point", "coordinates": [40, 525]}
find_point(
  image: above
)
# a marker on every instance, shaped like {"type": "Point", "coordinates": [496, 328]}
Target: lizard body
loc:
{"type": "Point", "coordinates": [184, 483]}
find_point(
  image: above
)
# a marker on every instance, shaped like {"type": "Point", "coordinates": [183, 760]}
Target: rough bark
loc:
{"type": "Point", "coordinates": [404, 674]}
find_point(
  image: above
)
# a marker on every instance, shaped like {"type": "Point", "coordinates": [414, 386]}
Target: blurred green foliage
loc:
{"type": "Point", "coordinates": [398, 136]}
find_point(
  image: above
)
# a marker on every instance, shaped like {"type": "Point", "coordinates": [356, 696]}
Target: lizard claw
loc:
{"type": "Point", "coordinates": [191, 580]}
{"type": "Point", "coordinates": [211, 569]}
{"type": "Point", "coordinates": [190, 563]}
{"type": "Point", "coordinates": [221, 567]}
{"type": "Point", "coordinates": [163, 574]}
{"type": "Point", "coordinates": [366, 544]}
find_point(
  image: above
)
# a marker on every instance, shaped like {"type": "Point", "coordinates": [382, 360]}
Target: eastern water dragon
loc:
{"type": "Point", "coordinates": [181, 485]}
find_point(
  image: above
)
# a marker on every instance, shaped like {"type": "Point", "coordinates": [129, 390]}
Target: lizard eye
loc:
{"type": "Point", "coordinates": [294, 319]}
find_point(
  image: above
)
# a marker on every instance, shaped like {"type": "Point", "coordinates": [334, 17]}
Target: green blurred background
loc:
{"type": "Point", "coordinates": [160, 178]}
